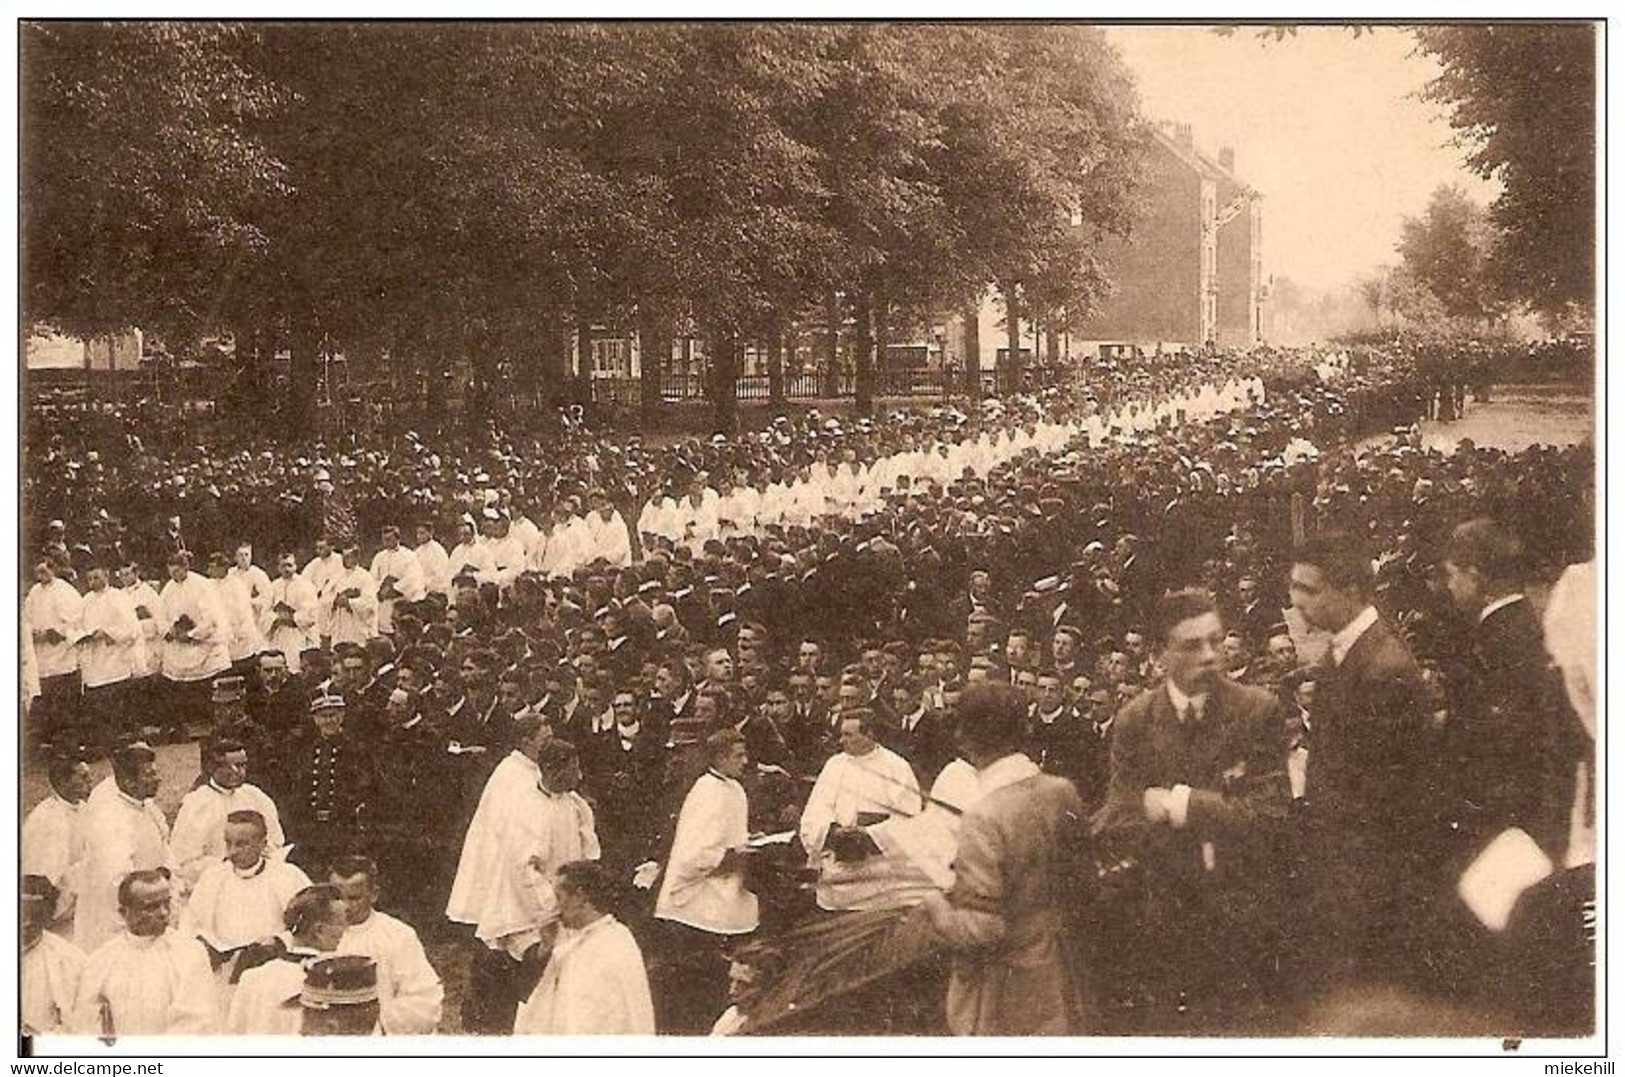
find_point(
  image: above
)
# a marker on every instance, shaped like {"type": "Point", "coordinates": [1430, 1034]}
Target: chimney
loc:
{"type": "Point", "coordinates": [1227, 158]}
{"type": "Point", "coordinates": [1182, 135]}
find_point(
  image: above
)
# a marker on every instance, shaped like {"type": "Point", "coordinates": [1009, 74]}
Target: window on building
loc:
{"type": "Point", "coordinates": [610, 359]}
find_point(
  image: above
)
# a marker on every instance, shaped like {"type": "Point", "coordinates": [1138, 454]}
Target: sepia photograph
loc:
{"type": "Point", "coordinates": [540, 534]}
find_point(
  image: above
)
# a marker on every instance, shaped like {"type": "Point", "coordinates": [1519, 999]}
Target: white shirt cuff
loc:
{"type": "Point", "coordinates": [1179, 802]}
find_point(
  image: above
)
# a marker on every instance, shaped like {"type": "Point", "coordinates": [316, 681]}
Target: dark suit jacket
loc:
{"type": "Point", "coordinates": [1234, 760]}
{"type": "Point", "coordinates": [929, 746]}
{"type": "Point", "coordinates": [1511, 732]}
{"type": "Point", "coordinates": [1374, 812]}
{"type": "Point", "coordinates": [1072, 748]}
{"type": "Point", "coordinates": [627, 788]}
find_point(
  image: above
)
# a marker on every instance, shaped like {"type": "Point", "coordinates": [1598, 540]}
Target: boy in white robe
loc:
{"type": "Point", "coordinates": [51, 965]}
{"type": "Point", "coordinates": [410, 992]}
{"type": "Point", "coordinates": [147, 980]}
{"type": "Point", "coordinates": [595, 983]}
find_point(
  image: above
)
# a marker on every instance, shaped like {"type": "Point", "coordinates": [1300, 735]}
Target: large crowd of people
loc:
{"type": "Point", "coordinates": [1164, 700]}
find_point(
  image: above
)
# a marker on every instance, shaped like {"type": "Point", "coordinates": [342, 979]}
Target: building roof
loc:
{"type": "Point", "coordinates": [1198, 161]}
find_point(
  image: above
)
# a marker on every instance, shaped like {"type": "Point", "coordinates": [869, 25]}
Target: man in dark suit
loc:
{"type": "Point", "coordinates": [1197, 792]}
{"type": "Point", "coordinates": [627, 784]}
{"type": "Point", "coordinates": [920, 735]}
{"type": "Point", "coordinates": [1372, 879]}
{"type": "Point", "coordinates": [1512, 715]}
{"type": "Point", "coordinates": [1511, 752]}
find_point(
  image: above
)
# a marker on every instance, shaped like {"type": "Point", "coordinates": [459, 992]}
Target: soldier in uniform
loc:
{"type": "Point", "coordinates": [329, 783]}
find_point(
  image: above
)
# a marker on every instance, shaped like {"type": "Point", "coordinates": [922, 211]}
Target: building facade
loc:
{"type": "Point", "coordinates": [1191, 270]}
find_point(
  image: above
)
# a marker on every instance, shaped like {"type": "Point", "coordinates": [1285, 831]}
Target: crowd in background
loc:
{"type": "Point", "coordinates": [389, 630]}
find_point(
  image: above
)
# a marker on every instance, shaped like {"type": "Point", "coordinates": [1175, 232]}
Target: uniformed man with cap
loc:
{"type": "Point", "coordinates": [329, 782]}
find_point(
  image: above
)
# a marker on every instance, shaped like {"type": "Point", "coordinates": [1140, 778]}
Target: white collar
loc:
{"type": "Point", "coordinates": [1344, 639]}
{"type": "Point", "coordinates": [1052, 716]}
{"type": "Point", "coordinates": [1183, 702]}
{"type": "Point", "coordinates": [1504, 600]}
{"type": "Point", "coordinates": [1007, 770]}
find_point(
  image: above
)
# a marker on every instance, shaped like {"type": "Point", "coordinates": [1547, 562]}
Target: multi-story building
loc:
{"type": "Point", "coordinates": [1190, 270]}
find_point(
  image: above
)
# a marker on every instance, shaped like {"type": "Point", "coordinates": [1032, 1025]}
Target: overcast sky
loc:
{"type": "Point", "coordinates": [1326, 125]}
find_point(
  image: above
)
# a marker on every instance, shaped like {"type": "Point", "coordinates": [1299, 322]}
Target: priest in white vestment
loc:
{"type": "Point", "coordinates": [321, 572]}
{"type": "Point", "coordinates": [147, 980]}
{"type": "Point", "coordinates": [410, 993]}
{"type": "Point", "coordinates": [506, 794]}
{"type": "Point", "coordinates": [911, 855]}
{"type": "Point", "coordinates": [148, 651]}
{"type": "Point", "coordinates": [595, 983]}
{"type": "Point", "coordinates": [239, 900]}
{"type": "Point", "coordinates": [290, 615]}
{"type": "Point", "coordinates": [245, 638]}
{"type": "Point", "coordinates": [251, 576]}
{"type": "Point", "coordinates": [352, 604]}
{"type": "Point", "coordinates": [399, 578]}
{"type": "Point", "coordinates": [53, 837]}
{"type": "Point", "coordinates": [124, 832]}
{"type": "Point", "coordinates": [861, 784]}
{"type": "Point", "coordinates": [199, 837]}
{"type": "Point", "coordinates": [196, 630]}
{"type": "Point", "coordinates": [52, 611]}
{"type": "Point", "coordinates": [433, 560]}
{"type": "Point", "coordinates": [109, 633]}
{"type": "Point", "coordinates": [51, 965]}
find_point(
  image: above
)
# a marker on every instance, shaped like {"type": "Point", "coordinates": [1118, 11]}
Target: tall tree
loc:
{"type": "Point", "coordinates": [1522, 97]}
{"type": "Point", "coordinates": [1447, 250]}
{"type": "Point", "coordinates": [139, 179]}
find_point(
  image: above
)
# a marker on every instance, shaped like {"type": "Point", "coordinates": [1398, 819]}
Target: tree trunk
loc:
{"type": "Point", "coordinates": [581, 386]}
{"type": "Point", "coordinates": [725, 381]}
{"type": "Point", "coordinates": [1009, 375]}
{"type": "Point", "coordinates": [304, 368]}
{"type": "Point", "coordinates": [880, 312]}
{"type": "Point", "coordinates": [654, 349]}
{"type": "Point", "coordinates": [972, 373]}
{"type": "Point", "coordinates": [775, 367]}
{"type": "Point", "coordinates": [1052, 344]}
{"type": "Point", "coordinates": [863, 354]}
{"type": "Point", "coordinates": [832, 343]}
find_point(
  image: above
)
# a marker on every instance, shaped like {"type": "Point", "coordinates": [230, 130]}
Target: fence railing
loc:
{"type": "Point", "coordinates": [921, 383]}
